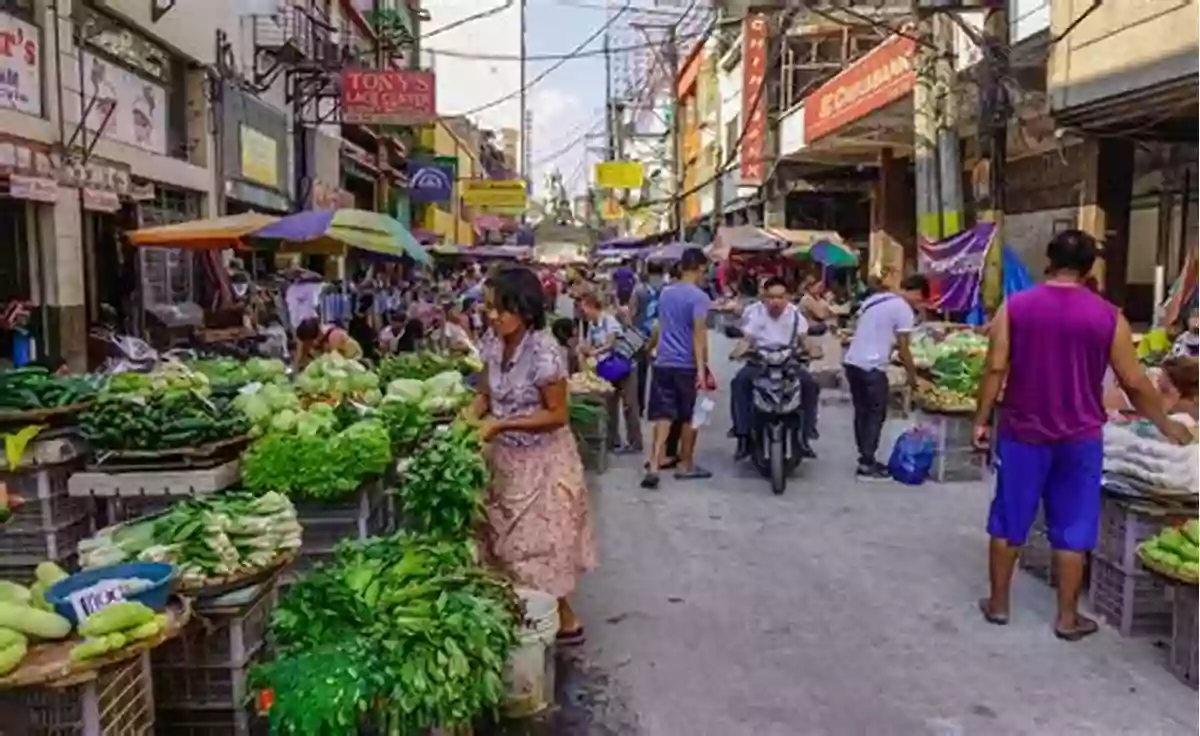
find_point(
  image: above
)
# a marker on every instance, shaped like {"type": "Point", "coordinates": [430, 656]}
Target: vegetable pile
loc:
{"type": "Point", "coordinates": [439, 394]}
{"type": "Point", "coordinates": [33, 388]}
{"type": "Point", "coordinates": [331, 377]}
{"type": "Point", "coordinates": [115, 626]}
{"type": "Point", "coordinates": [318, 466]}
{"type": "Point", "coordinates": [205, 538]}
{"type": "Point", "coordinates": [1174, 551]}
{"type": "Point", "coordinates": [159, 421]}
{"type": "Point", "coordinates": [226, 375]}
{"type": "Point", "coordinates": [168, 378]}
{"type": "Point", "coordinates": [407, 424]}
{"type": "Point", "coordinates": [442, 485]}
{"type": "Point", "coordinates": [25, 618]}
{"type": "Point", "coordinates": [402, 633]}
{"type": "Point", "coordinates": [423, 366]}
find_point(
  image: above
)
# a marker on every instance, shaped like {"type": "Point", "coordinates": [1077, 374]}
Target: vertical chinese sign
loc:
{"type": "Point", "coordinates": [754, 99]}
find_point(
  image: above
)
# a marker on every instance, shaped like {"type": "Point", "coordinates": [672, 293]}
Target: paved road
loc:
{"type": "Point", "coordinates": [839, 609]}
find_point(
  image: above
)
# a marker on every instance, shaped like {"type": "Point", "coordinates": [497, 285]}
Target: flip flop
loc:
{"type": "Point", "coordinates": [669, 464]}
{"type": "Point", "coordinates": [992, 618]}
{"type": "Point", "coordinates": [572, 638]}
{"type": "Point", "coordinates": [696, 473]}
{"type": "Point", "coordinates": [1084, 627]}
{"type": "Point", "coordinates": [650, 481]}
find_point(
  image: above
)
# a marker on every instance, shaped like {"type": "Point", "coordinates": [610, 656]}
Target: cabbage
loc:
{"type": "Point", "coordinates": [406, 389]}
{"type": "Point", "coordinates": [321, 410]}
{"type": "Point", "coordinates": [447, 383]}
{"type": "Point", "coordinates": [372, 397]}
{"type": "Point", "coordinates": [363, 381]}
{"type": "Point", "coordinates": [284, 421]}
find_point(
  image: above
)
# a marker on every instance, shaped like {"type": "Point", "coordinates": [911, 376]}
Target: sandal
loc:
{"type": "Point", "coordinates": [1084, 627]}
{"type": "Point", "coordinates": [996, 619]}
{"type": "Point", "coordinates": [572, 638]}
{"type": "Point", "coordinates": [650, 481]}
{"type": "Point", "coordinates": [696, 473]}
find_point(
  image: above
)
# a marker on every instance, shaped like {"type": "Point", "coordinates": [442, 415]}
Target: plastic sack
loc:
{"type": "Point", "coordinates": [614, 367]}
{"type": "Point", "coordinates": [912, 456]}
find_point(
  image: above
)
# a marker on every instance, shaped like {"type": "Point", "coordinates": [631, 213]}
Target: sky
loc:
{"type": "Point", "coordinates": [565, 104]}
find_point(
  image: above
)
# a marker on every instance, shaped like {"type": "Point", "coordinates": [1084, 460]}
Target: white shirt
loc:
{"type": "Point", "coordinates": [881, 318]}
{"type": "Point", "coordinates": [303, 301]}
{"type": "Point", "coordinates": [773, 332]}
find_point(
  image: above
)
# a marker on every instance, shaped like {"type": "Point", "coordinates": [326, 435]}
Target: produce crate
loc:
{"type": "Point", "coordinates": [956, 458]}
{"type": "Point", "coordinates": [1135, 603]}
{"type": "Point", "coordinates": [328, 524]}
{"type": "Point", "coordinates": [108, 484]}
{"type": "Point", "coordinates": [595, 453]}
{"type": "Point", "coordinates": [1124, 527]}
{"type": "Point", "coordinates": [210, 722]}
{"type": "Point", "coordinates": [224, 632]}
{"type": "Point", "coordinates": [118, 702]}
{"type": "Point", "coordinates": [1183, 661]}
{"type": "Point", "coordinates": [20, 548]}
{"type": "Point", "coordinates": [1037, 558]}
{"type": "Point", "coordinates": [48, 507]}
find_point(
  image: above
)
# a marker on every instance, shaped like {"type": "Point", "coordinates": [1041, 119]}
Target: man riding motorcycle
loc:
{"type": "Point", "coordinates": [772, 322]}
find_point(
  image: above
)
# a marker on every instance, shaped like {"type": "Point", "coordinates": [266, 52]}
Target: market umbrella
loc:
{"type": "Point", "coordinates": [833, 255]}
{"type": "Point", "coordinates": [215, 233]}
{"type": "Point", "coordinates": [330, 232]}
{"type": "Point", "coordinates": [667, 253]}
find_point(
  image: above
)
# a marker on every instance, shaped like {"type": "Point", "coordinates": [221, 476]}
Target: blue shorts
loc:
{"type": "Point", "coordinates": [1063, 476]}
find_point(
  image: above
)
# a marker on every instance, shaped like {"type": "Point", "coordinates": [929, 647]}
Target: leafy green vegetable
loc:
{"type": "Point", "coordinates": [332, 376]}
{"type": "Point", "coordinates": [441, 488]}
{"type": "Point", "coordinates": [159, 421]}
{"type": "Point", "coordinates": [26, 389]}
{"type": "Point", "coordinates": [406, 423]}
{"type": "Point", "coordinates": [317, 466]}
{"type": "Point", "coordinates": [423, 366]}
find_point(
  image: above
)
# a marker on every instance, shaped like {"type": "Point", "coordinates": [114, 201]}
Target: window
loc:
{"type": "Point", "coordinates": [167, 276]}
{"type": "Point", "coordinates": [733, 131]}
{"type": "Point", "coordinates": [14, 251]}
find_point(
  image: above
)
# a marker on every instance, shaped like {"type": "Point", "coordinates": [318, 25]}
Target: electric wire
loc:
{"type": "Point", "coordinates": [470, 19]}
{"type": "Point", "coordinates": [559, 56]}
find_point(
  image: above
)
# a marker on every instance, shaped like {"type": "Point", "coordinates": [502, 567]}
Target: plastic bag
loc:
{"type": "Point", "coordinates": [912, 456]}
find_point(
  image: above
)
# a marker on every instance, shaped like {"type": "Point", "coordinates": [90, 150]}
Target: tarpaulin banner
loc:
{"type": "Point", "coordinates": [954, 266]}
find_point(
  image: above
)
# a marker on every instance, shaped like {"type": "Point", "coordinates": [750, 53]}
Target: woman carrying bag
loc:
{"type": "Point", "coordinates": [613, 346]}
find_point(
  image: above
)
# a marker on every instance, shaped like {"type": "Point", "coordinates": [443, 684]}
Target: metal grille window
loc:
{"type": "Point", "coordinates": [167, 273]}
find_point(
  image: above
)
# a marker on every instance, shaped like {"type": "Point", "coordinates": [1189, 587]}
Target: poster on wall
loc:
{"type": "Point", "coordinates": [20, 58]}
{"type": "Point", "coordinates": [138, 107]}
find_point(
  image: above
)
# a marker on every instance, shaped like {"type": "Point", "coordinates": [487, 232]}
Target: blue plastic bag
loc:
{"type": "Point", "coordinates": [912, 456]}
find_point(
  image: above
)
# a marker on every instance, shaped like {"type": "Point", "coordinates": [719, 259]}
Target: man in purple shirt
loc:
{"type": "Point", "coordinates": [1050, 347]}
{"type": "Point", "coordinates": [624, 280]}
{"type": "Point", "coordinates": [680, 366]}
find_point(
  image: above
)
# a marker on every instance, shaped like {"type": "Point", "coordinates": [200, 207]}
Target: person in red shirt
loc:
{"type": "Point", "coordinates": [550, 288]}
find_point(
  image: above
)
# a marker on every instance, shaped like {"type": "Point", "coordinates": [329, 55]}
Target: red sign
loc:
{"type": "Point", "coordinates": [754, 99]}
{"type": "Point", "coordinates": [881, 77]}
{"type": "Point", "coordinates": [396, 97]}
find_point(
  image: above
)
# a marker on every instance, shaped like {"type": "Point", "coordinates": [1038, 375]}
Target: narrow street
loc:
{"type": "Point", "coordinates": [839, 609]}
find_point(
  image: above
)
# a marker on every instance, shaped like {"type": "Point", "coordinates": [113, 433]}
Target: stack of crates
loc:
{"type": "Point", "coordinates": [1037, 558]}
{"type": "Point", "coordinates": [119, 701]}
{"type": "Point", "coordinates": [50, 524]}
{"type": "Point", "coordinates": [1123, 592]}
{"type": "Point", "coordinates": [956, 459]}
{"type": "Point", "coordinates": [1184, 660]}
{"type": "Point", "coordinates": [200, 676]}
{"type": "Point", "coordinates": [327, 524]}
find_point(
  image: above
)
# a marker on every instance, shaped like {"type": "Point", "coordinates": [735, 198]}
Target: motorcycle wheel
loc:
{"type": "Point", "coordinates": [778, 461]}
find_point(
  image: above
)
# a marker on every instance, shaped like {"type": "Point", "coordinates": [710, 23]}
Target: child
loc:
{"type": "Point", "coordinates": [563, 330]}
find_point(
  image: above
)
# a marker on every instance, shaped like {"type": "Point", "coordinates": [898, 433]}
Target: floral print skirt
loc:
{"type": "Point", "coordinates": [539, 529]}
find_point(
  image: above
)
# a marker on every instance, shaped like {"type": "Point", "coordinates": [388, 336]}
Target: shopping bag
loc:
{"type": "Point", "coordinates": [614, 367]}
{"type": "Point", "coordinates": [912, 456]}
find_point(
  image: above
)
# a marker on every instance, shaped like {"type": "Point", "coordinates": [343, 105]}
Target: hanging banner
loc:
{"type": "Point", "coordinates": [431, 180]}
{"type": "Point", "coordinates": [619, 174]}
{"type": "Point", "coordinates": [954, 267]}
{"type": "Point", "coordinates": [496, 196]}
{"type": "Point", "coordinates": [754, 99]}
{"type": "Point", "coordinates": [392, 97]}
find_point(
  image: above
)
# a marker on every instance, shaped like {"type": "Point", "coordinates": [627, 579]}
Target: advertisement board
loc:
{"type": "Point", "coordinates": [754, 99]}
{"type": "Point", "coordinates": [495, 196]}
{"type": "Point", "coordinates": [134, 107]}
{"type": "Point", "coordinates": [881, 77]}
{"type": "Point", "coordinates": [259, 157]}
{"type": "Point", "coordinates": [20, 66]}
{"type": "Point", "coordinates": [388, 97]}
{"type": "Point", "coordinates": [619, 174]}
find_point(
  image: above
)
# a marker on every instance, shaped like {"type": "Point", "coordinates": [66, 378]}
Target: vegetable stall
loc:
{"type": "Point", "coordinates": [331, 511]}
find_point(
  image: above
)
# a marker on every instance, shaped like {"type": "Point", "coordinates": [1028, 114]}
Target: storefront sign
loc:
{"type": "Point", "coordinates": [328, 197]}
{"type": "Point", "coordinates": [20, 60]}
{"type": "Point", "coordinates": [100, 200]}
{"type": "Point", "coordinates": [33, 188]}
{"type": "Point", "coordinates": [881, 77]}
{"type": "Point", "coordinates": [754, 99]}
{"type": "Point", "coordinates": [127, 108]}
{"type": "Point", "coordinates": [393, 97]}
{"type": "Point", "coordinates": [432, 180]}
{"type": "Point", "coordinates": [259, 157]}
{"type": "Point", "coordinates": [620, 174]}
{"type": "Point", "coordinates": [496, 196]}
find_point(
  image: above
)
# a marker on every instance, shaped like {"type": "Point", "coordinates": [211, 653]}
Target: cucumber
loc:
{"type": "Point", "coordinates": [29, 620]}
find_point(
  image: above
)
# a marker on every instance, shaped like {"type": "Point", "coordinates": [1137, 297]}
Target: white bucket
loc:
{"type": "Point", "coordinates": [529, 674]}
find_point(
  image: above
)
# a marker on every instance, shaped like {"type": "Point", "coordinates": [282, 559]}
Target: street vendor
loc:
{"type": "Point", "coordinates": [314, 338]}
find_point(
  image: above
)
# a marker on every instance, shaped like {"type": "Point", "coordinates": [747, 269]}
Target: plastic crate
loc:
{"type": "Point", "coordinates": [956, 459]}
{"type": "Point", "coordinates": [19, 548]}
{"type": "Point", "coordinates": [119, 702]}
{"type": "Point", "coordinates": [1183, 661]}
{"type": "Point", "coordinates": [1123, 528]}
{"type": "Point", "coordinates": [323, 535]}
{"type": "Point", "coordinates": [210, 722]}
{"type": "Point", "coordinates": [1136, 604]}
{"type": "Point", "coordinates": [1037, 558]}
{"type": "Point", "coordinates": [201, 688]}
{"type": "Point", "coordinates": [221, 638]}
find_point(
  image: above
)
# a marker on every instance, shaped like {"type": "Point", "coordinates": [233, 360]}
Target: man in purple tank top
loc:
{"type": "Point", "coordinates": [1049, 349]}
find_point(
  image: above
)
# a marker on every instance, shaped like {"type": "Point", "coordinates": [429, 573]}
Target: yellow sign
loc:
{"type": "Point", "coordinates": [498, 196]}
{"type": "Point", "coordinates": [619, 174]}
{"type": "Point", "coordinates": [612, 210]}
{"type": "Point", "coordinates": [260, 162]}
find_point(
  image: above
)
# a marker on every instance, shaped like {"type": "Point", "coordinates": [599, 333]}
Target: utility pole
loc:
{"type": "Point", "coordinates": [526, 174]}
{"type": "Point", "coordinates": [950, 198]}
{"type": "Point", "coordinates": [993, 135]}
{"type": "Point", "coordinates": [609, 127]}
{"type": "Point", "coordinates": [671, 53]}
{"type": "Point", "coordinates": [925, 133]}
{"type": "Point", "coordinates": [381, 152]}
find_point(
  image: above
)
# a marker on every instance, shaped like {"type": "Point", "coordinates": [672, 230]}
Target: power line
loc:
{"type": "Point", "coordinates": [591, 128]}
{"type": "Point", "coordinates": [552, 68]}
{"type": "Point", "coordinates": [554, 56]}
{"type": "Point", "coordinates": [469, 19]}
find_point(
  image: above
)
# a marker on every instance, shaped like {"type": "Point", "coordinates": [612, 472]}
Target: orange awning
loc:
{"type": "Point", "coordinates": [220, 232]}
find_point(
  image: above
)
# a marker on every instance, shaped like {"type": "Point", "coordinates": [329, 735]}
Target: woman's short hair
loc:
{"type": "Point", "coordinates": [308, 329]}
{"type": "Point", "coordinates": [518, 290]}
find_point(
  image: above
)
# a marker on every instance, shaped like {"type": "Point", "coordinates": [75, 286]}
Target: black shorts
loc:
{"type": "Point", "coordinates": [672, 394]}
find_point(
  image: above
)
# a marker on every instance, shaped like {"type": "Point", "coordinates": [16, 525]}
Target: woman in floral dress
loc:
{"type": "Point", "coordinates": [538, 528]}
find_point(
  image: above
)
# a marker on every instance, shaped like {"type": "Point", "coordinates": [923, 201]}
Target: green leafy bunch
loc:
{"type": "Point", "coordinates": [161, 421]}
{"type": "Point", "coordinates": [442, 485]}
{"type": "Point", "coordinates": [320, 467]}
{"type": "Point", "coordinates": [420, 366]}
{"type": "Point", "coordinates": [407, 422]}
{"type": "Point", "coordinates": [404, 630]}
